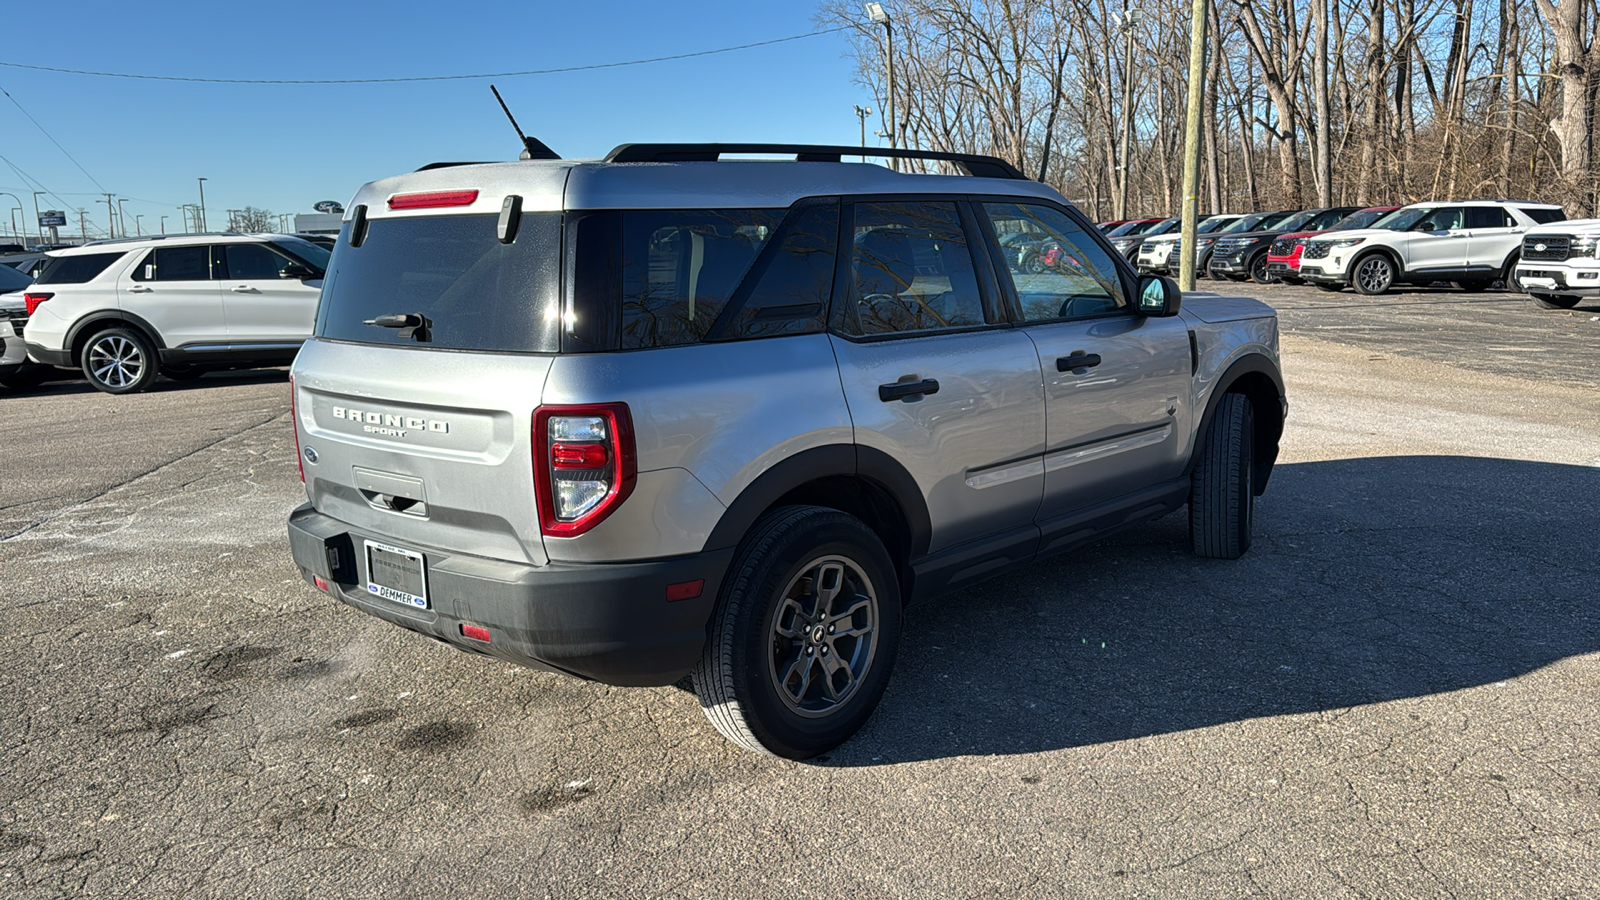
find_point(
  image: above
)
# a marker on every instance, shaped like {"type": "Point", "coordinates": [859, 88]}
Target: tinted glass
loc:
{"type": "Point", "coordinates": [308, 252]}
{"type": "Point", "coordinates": [1242, 224]}
{"type": "Point", "coordinates": [477, 293]}
{"type": "Point", "coordinates": [1363, 219]}
{"type": "Point", "coordinates": [1325, 220]}
{"type": "Point", "coordinates": [1275, 221]}
{"type": "Point", "coordinates": [1169, 226]}
{"type": "Point", "coordinates": [1294, 222]}
{"type": "Point", "coordinates": [249, 262]}
{"type": "Point", "coordinates": [1543, 216]}
{"type": "Point", "coordinates": [1486, 217]}
{"type": "Point", "coordinates": [12, 280]}
{"type": "Point", "coordinates": [1401, 219]}
{"type": "Point", "coordinates": [910, 270]}
{"type": "Point", "coordinates": [791, 295]}
{"type": "Point", "coordinates": [1212, 224]}
{"type": "Point", "coordinates": [680, 267]}
{"type": "Point", "coordinates": [175, 264]}
{"type": "Point", "coordinates": [1066, 274]}
{"type": "Point", "coordinates": [1131, 228]}
{"type": "Point", "coordinates": [76, 269]}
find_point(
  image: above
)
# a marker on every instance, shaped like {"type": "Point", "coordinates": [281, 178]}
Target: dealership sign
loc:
{"type": "Point", "coordinates": [328, 206]}
{"type": "Point", "coordinates": [52, 218]}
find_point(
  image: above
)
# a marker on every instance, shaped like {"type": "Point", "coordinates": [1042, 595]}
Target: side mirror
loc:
{"type": "Point", "coordinates": [1159, 296]}
{"type": "Point", "coordinates": [296, 270]}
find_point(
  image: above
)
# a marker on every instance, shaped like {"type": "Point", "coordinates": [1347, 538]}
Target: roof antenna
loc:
{"type": "Point", "coordinates": [532, 147]}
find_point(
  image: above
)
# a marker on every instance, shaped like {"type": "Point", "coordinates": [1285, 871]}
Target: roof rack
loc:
{"type": "Point", "coordinates": [162, 237]}
{"type": "Point", "coordinates": [969, 163]}
{"type": "Point", "coordinates": [447, 165]}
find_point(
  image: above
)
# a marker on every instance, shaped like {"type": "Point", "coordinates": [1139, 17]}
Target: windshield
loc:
{"type": "Point", "coordinates": [1168, 226]}
{"type": "Point", "coordinates": [1294, 222]}
{"type": "Point", "coordinates": [1215, 222]}
{"type": "Point", "coordinates": [305, 251]}
{"type": "Point", "coordinates": [1243, 223]}
{"type": "Point", "coordinates": [1130, 228]}
{"type": "Point", "coordinates": [1363, 219]}
{"type": "Point", "coordinates": [1274, 221]}
{"type": "Point", "coordinates": [1401, 219]}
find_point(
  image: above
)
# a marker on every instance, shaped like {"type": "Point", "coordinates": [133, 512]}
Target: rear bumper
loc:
{"type": "Point", "coordinates": [40, 353]}
{"type": "Point", "coordinates": [610, 623]}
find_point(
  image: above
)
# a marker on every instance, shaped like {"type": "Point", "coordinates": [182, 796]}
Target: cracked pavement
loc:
{"type": "Point", "coordinates": [1392, 694]}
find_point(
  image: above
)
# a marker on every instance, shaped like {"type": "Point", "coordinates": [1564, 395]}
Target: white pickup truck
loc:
{"type": "Point", "coordinates": [1560, 263]}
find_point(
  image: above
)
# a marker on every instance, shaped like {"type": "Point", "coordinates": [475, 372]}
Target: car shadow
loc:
{"type": "Point", "coordinates": [66, 382]}
{"type": "Point", "coordinates": [1370, 580]}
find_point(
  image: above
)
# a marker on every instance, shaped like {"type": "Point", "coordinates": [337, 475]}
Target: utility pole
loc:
{"type": "Point", "coordinates": [200, 223]}
{"type": "Point", "coordinates": [122, 216]}
{"type": "Point", "coordinates": [1191, 145]}
{"type": "Point", "coordinates": [111, 217]}
{"type": "Point", "coordinates": [861, 113]}
{"type": "Point", "coordinates": [138, 227]}
{"type": "Point", "coordinates": [83, 225]}
{"type": "Point", "coordinates": [1130, 17]}
{"type": "Point", "coordinates": [36, 215]}
{"type": "Point", "coordinates": [876, 14]}
{"type": "Point", "coordinates": [163, 224]}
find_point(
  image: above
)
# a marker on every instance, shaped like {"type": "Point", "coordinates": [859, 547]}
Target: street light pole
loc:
{"type": "Point", "coordinates": [20, 209]}
{"type": "Point", "coordinates": [138, 227]}
{"type": "Point", "coordinates": [876, 14]}
{"type": "Point", "coordinates": [14, 211]}
{"type": "Point", "coordinates": [861, 113]}
{"type": "Point", "coordinates": [163, 224]}
{"type": "Point", "coordinates": [111, 217]}
{"type": "Point", "coordinates": [122, 216]}
{"type": "Point", "coordinates": [1130, 17]}
{"type": "Point", "coordinates": [200, 223]}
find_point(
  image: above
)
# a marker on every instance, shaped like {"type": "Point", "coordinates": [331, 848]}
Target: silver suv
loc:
{"type": "Point", "coordinates": [663, 415]}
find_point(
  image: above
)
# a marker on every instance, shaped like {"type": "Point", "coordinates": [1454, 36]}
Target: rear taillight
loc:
{"type": "Point", "coordinates": [294, 423]}
{"type": "Point", "coordinates": [584, 465]}
{"type": "Point", "coordinates": [32, 300]}
{"type": "Point", "coordinates": [432, 199]}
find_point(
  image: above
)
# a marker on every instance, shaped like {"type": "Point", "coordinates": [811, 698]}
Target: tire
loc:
{"type": "Point", "coordinates": [1512, 283]}
{"type": "Point", "coordinates": [1372, 274]}
{"type": "Point", "coordinates": [746, 679]}
{"type": "Point", "coordinates": [1222, 487]}
{"type": "Point", "coordinates": [1547, 301]}
{"type": "Point", "coordinates": [1258, 269]}
{"type": "Point", "coordinates": [1034, 266]}
{"type": "Point", "coordinates": [120, 361]}
{"type": "Point", "coordinates": [1330, 288]}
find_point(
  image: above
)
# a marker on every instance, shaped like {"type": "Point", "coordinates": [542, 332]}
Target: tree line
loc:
{"type": "Point", "coordinates": [1315, 103]}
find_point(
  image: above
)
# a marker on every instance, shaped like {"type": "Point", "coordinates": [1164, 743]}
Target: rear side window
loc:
{"type": "Point", "coordinates": [1543, 216]}
{"type": "Point", "coordinates": [475, 292]}
{"type": "Point", "coordinates": [175, 264]}
{"type": "Point", "coordinates": [790, 295]}
{"type": "Point", "coordinates": [1488, 217]}
{"type": "Point", "coordinates": [680, 268]}
{"type": "Point", "coordinates": [76, 269]}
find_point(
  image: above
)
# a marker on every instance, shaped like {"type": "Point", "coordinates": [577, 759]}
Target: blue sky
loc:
{"type": "Point", "coordinates": [284, 147]}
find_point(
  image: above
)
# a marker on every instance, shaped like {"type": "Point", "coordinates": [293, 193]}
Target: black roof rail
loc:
{"type": "Point", "coordinates": [973, 164]}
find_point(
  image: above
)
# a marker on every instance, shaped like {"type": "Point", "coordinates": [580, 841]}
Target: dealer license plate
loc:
{"type": "Point", "coordinates": [398, 574]}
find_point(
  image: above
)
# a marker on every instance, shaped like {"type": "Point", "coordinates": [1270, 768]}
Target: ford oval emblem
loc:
{"type": "Point", "coordinates": [1540, 247]}
{"type": "Point", "coordinates": [311, 454]}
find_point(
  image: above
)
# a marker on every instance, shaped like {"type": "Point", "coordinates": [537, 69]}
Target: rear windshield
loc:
{"type": "Point", "coordinates": [76, 269]}
{"type": "Point", "coordinates": [12, 280]}
{"type": "Point", "coordinates": [474, 292]}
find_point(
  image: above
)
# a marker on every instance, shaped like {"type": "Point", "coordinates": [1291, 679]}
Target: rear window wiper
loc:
{"type": "Point", "coordinates": [411, 325]}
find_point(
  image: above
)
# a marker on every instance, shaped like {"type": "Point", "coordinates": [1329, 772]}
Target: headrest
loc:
{"type": "Point", "coordinates": [886, 262]}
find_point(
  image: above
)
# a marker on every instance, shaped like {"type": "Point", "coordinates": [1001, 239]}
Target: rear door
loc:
{"type": "Point", "coordinates": [173, 289]}
{"type": "Point", "coordinates": [263, 306]}
{"type": "Point", "coordinates": [1117, 384]}
{"type": "Point", "coordinates": [1492, 236]}
{"type": "Point", "coordinates": [929, 377]}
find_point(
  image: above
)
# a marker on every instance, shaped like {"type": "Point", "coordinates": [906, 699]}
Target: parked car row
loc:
{"type": "Point", "coordinates": [1474, 244]}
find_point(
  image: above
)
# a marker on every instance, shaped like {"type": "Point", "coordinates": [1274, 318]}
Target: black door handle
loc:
{"type": "Point", "coordinates": [1077, 361]}
{"type": "Point", "coordinates": [904, 390]}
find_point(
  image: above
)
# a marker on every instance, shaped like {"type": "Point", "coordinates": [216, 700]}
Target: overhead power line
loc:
{"type": "Point", "coordinates": [52, 139]}
{"type": "Point", "coordinates": [584, 68]}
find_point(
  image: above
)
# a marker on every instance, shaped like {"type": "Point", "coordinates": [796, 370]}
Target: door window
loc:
{"type": "Point", "coordinates": [910, 271]}
{"type": "Point", "coordinates": [1058, 270]}
{"type": "Point", "coordinates": [1444, 218]}
{"type": "Point", "coordinates": [175, 264]}
{"type": "Point", "coordinates": [251, 262]}
{"type": "Point", "coordinates": [1488, 217]}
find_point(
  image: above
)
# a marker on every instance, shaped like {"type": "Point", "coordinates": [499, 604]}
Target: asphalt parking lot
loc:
{"type": "Point", "coordinates": [1392, 694]}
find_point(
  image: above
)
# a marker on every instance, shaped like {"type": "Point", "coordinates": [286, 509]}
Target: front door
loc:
{"type": "Point", "coordinates": [929, 380]}
{"type": "Point", "coordinates": [1438, 241]}
{"type": "Point", "coordinates": [1118, 403]}
{"type": "Point", "coordinates": [263, 306]}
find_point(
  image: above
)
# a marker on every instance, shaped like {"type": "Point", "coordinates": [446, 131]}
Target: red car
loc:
{"type": "Point", "coordinates": [1283, 258]}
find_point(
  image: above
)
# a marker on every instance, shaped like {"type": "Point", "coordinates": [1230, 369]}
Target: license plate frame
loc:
{"type": "Point", "coordinates": [394, 571]}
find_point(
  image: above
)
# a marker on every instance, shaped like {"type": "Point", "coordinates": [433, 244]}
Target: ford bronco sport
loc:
{"type": "Point", "coordinates": [664, 415]}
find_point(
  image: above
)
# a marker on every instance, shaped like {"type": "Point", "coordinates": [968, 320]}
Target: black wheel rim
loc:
{"type": "Point", "coordinates": [823, 637]}
{"type": "Point", "coordinates": [116, 362]}
{"type": "Point", "coordinates": [1373, 274]}
{"type": "Point", "coordinates": [1258, 270]}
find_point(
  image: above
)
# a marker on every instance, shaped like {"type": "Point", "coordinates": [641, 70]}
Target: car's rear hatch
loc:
{"type": "Point", "coordinates": [414, 400]}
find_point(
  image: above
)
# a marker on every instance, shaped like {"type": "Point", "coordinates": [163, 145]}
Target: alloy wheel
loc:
{"type": "Point", "coordinates": [824, 636]}
{"type": "Point", "coordinates": [1374, 275]}
{"type": "Point", "coordinates": [116, 361]}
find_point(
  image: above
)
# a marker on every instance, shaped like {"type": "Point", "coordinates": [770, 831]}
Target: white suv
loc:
{"type": "Point", "coordinates": [1473, 243]}
{"type": "Point", "coordinates": [181, 305]}
{"type": "Point", "coordinates": [1560, 264]}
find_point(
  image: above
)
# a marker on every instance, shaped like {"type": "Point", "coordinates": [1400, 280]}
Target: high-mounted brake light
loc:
{"type": "Point", "coordinates": [583, 466]}
{"type": "Point", "coordinates": [32, 300]}
{"type": "Point", "coordinates": [431, 199]}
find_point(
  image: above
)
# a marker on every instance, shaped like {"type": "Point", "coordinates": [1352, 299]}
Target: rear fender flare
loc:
{"type": "Point", "coordinates": [92, 322]}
